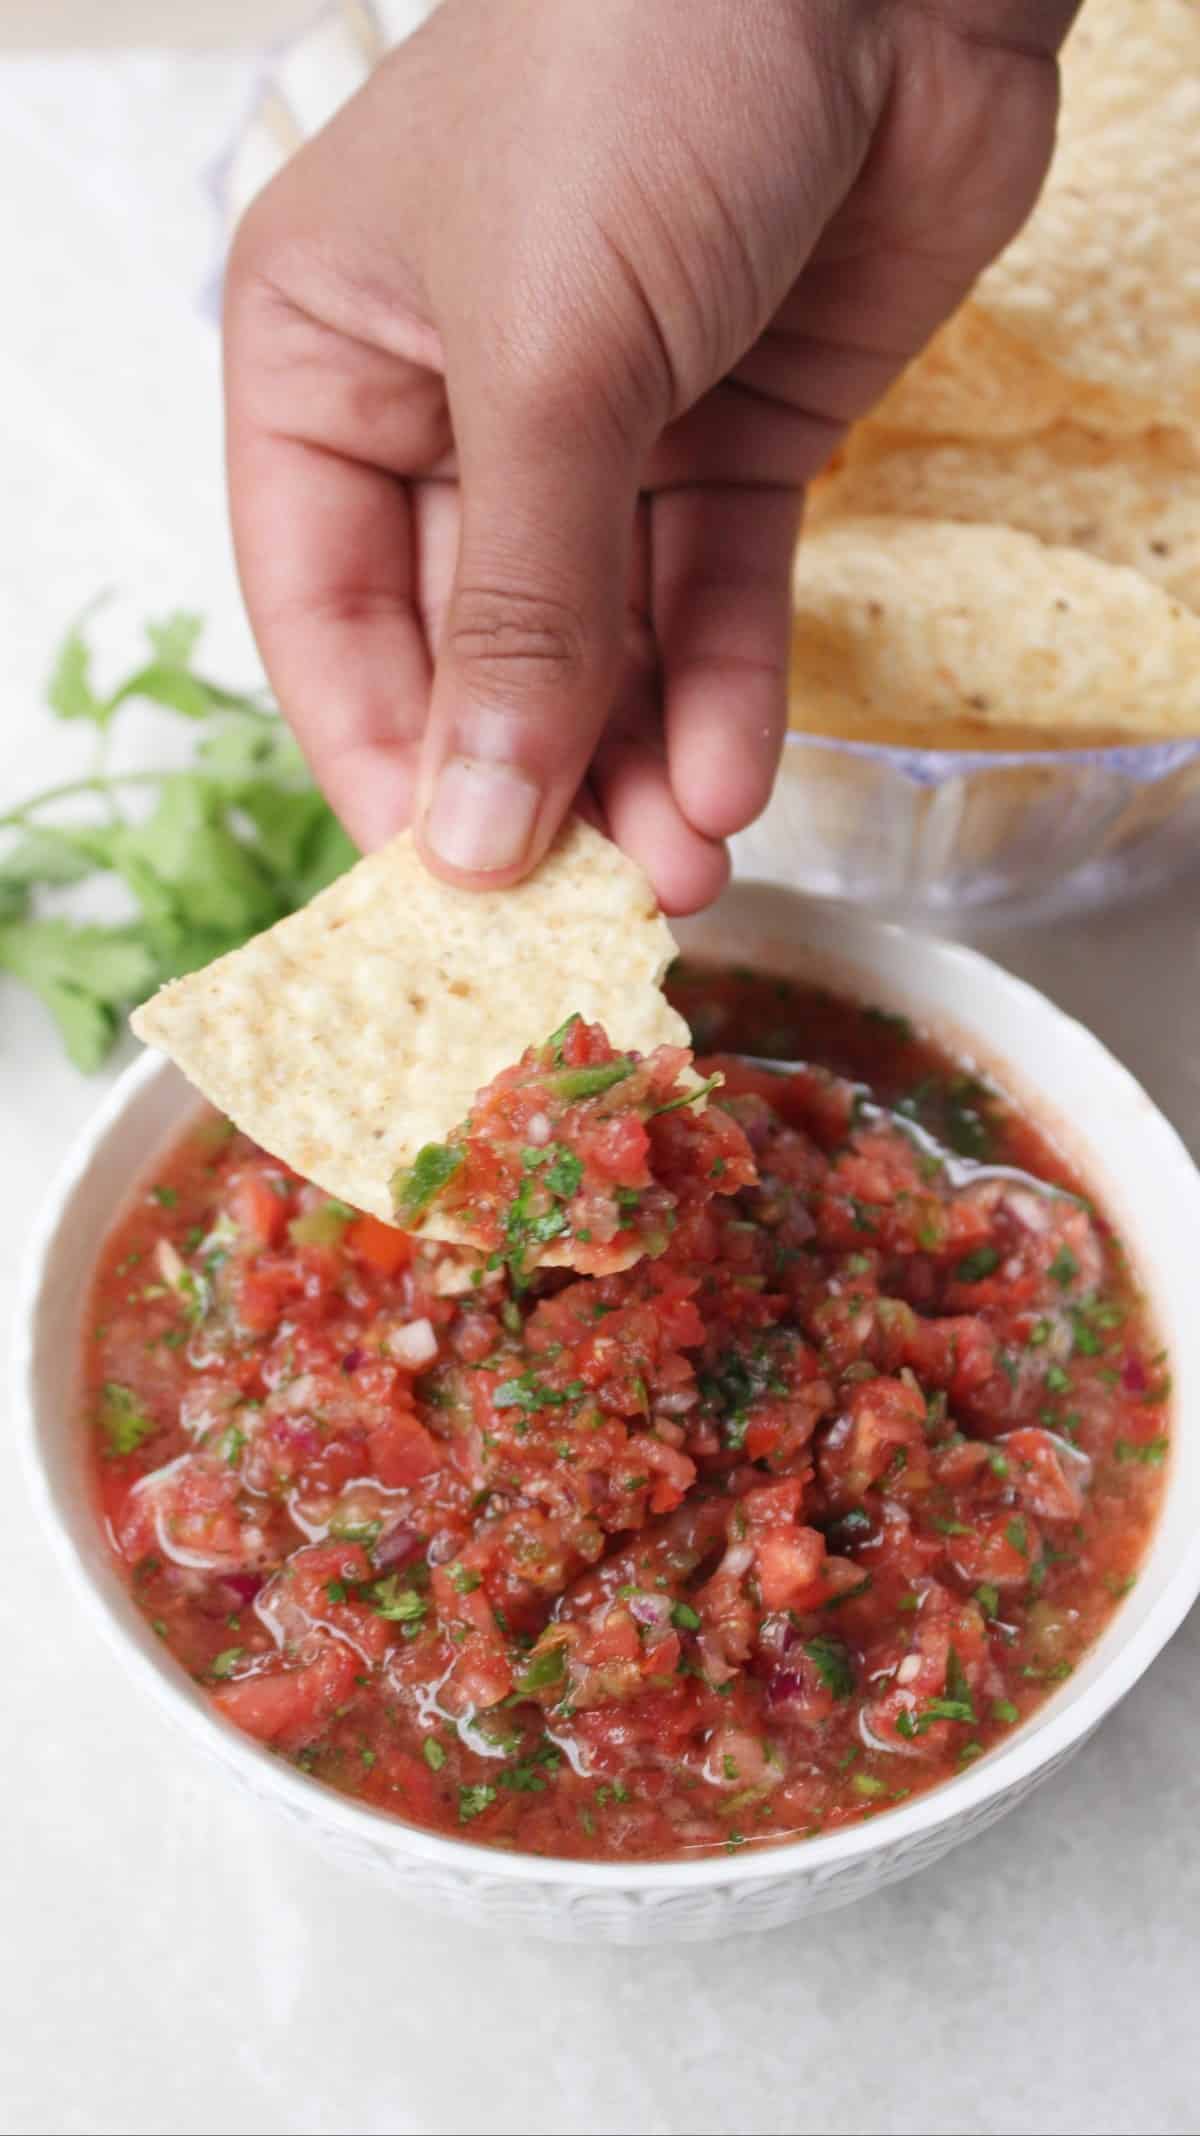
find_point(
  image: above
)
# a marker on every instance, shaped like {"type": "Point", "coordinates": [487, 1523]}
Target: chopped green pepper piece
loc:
{"type": "Point", "coordinates": [323, 1226]}
{"type": "Point", "coordinates": [573, 1083]}
{"type": "Point", "coordinates": [429, 1174]}
{"type": "Point", "coordinates": [544, 1669]}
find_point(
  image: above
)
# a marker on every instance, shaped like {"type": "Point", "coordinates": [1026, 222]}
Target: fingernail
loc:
{"type": "Point", "coordinates": [481, 816]}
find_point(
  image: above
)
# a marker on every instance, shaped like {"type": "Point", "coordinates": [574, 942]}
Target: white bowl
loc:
{"type": "Point", "coordinates": [1125, 1149]}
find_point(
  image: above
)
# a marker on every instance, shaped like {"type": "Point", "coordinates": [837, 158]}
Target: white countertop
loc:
{"type": "Point", "coordinates": [173, 1959]}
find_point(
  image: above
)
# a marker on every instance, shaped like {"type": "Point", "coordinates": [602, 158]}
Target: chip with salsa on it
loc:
{"type": "Point", "coordinates": [354, 1035]}
{"type": "Point", "coordinates": [579, 1156]}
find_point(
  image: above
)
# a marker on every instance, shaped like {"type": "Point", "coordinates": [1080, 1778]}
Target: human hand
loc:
{"type": "Point", "coordinates": [529, 356]}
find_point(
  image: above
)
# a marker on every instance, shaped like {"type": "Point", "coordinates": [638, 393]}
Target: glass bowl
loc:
{"type": "Point", "coordinates": [939, 832]}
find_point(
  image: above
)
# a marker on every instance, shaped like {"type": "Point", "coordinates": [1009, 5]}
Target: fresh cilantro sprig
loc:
{"type": "Point", "coordinates": [206, 855]}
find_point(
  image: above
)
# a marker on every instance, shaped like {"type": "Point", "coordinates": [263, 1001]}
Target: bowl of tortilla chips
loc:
{"type": "Point", "coordinates": [995, 676]}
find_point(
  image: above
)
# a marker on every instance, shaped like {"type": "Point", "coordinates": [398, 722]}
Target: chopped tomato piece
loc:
{"type": "Point", "coordinates": [259, 1212]}
{"type": "Point", "coordinates": [288, 1707]}
{"type": "Point", "coordinates": [402, 1451]}
{"type": "Point", "coordinates": [381, 1246]}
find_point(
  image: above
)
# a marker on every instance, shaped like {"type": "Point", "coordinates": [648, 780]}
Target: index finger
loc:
{"type": "Point", "coordinates": [322, 426]}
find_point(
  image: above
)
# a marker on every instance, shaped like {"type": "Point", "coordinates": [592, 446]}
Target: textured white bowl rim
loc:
{"type": "Point", "coordinates": [1032, 1747]}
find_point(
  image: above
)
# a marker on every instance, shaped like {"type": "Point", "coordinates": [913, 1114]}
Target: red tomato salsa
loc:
{"type": "Point", "coordinates": [755, 1538]}
{"type": "Point", "coordinates": [572, 1158]}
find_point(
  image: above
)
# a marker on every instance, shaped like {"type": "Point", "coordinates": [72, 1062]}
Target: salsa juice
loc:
{"type": "Point", "coordinates": [756, 1538]}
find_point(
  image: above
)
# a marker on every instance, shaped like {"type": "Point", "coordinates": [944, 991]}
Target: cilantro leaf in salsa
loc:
{"type": "Point", "coordinates": [527, 1391]}
{"type": "Point", "coordinates": [833, 1663]}
{"type": "Point", "coordinates": [1148, 1453]}
{"type": "Point", "coordinates": [564, 1173]}
{"type": "Point", "coordinates": [945, 1709]}
{"type": "Point", "coordinates": [473, 1801]}
{"type": "Point", "coordinates": [958, 1110]}
{"type": "Point", "coordinates": [1017, 1534]}
{"type": "Point", "coordinates": [1086, 1340]}
{"type": "Point", "coordinates": [122, 1419]}
{"type": "Point", "coordinates": [531, 1776]}
{"type": "Point", "coordinates": [957, 1687]}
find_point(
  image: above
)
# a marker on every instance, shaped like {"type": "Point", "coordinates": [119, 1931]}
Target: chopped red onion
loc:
{"type": "Point", "coordinates": [1133, 1375]}
{"type": "Point", "coordinates": [242, 1587]}
{"type": "Point", "coordinates": [299, 1436]}
{"type": "Point", "coordinates": [396, 1547]}
{"type": "Point", "coordinates": [783, 1685]}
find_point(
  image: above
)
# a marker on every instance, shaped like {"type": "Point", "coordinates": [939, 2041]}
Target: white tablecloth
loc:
{"type": "Point", "coordinates": [172, 1959]}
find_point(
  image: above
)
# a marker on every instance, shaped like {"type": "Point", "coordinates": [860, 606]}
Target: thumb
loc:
{"type": "Point", "coordinates": [530, 654]}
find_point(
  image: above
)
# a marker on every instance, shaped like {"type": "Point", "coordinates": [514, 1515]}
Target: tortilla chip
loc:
{"type": "Point", "coordinates": [359, 1029]}
{"type": "Point", "coordinates": [1103, 282]}
{"type": "Point", "coordinates": [1092, 315]}
{"type": "Point", "coordinates": [1134, 503]}
{"type": "Point", "coordinates": [973, 381]}
{"type": "Point", "coordinates": [976, 381]}
{"type": "Point", "coordinates": [907, 627]}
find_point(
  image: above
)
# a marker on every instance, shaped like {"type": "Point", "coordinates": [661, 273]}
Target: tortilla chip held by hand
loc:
{"type": "Point", "coordinates": [358, 1030]}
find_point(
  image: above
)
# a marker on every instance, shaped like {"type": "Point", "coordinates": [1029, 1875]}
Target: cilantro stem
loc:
{"type": "Point", "coordinates": [103, 782]}
{"type": "Point", "coordinates": [13, 818]}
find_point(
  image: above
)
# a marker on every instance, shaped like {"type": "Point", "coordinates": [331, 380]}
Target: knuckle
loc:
{"type": "Point", "coordinates": [516, 639]}
{"type": "Point", "coordinates": [260, 272]}
{"type": "Point", "coordinates": [575, 359]}
{"type": "Point", "coordinates": [256, 241]}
